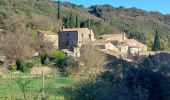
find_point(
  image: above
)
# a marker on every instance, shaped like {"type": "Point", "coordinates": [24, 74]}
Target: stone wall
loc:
{"type": "Point", "coordinates": [46, 70]}
{"type": "Point", "coordinates": [67, 40]}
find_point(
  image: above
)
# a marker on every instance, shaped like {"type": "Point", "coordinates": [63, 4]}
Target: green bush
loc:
{"type": "Point", "coordinates": [58, 54]}
{"type": "Point", "coordinates": [66, 65]}
{"type": "Point", "coordinates": [45, 60]}
{"type": "Point", "coordinates": [12, 67]}
{"type": "Point", "coordinates": [24, 66]}
{"type": "Point", "coordinates": [36, 62]}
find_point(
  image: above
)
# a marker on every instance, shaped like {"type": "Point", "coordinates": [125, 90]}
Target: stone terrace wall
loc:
{"type": "Point", "coordinates": [46, 70]}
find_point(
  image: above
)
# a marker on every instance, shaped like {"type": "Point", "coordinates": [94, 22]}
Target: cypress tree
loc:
{"type": "Point", "coordinates": [157, 42]}
{"type": "Point", "coordinates": [77, 22]}
{"type": "Point", "coordinates": [58, 16]}
{"type": "Point", "coordinates": [67, 22]}
{"type": "Point", "coordinates": [88, 23]}
{"type": "Point", "coordinates": [71, 21]}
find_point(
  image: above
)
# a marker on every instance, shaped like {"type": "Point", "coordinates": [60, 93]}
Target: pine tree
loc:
{"type": "Point", "coordinates": [157, 45]}
{"type": "Point", "coordinates": [58, 16]}
{"type": "Point", "coordinates": [77, 22]}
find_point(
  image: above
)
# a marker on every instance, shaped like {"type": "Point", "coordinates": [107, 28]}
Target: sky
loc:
{"type": "Point", "coordinates": [162, 6]}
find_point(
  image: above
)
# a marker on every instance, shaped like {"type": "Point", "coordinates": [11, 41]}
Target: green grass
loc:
{"type": "Point", "coordinates": [53, 88]}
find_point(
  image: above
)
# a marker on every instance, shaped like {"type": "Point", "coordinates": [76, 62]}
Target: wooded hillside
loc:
{"type": "Point", "coordinates": [31, 15]}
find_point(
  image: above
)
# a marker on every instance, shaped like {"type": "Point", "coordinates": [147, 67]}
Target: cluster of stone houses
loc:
{"type": "Point", "coordinates": [120, 45]}
{"type": "Point", "coordinates": [70, 40]}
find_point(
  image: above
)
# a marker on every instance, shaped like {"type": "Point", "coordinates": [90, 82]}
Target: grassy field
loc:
{"type": "Point", "coordinates": [54, 88]}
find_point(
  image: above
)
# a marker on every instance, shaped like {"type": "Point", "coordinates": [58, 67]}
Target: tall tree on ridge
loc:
{"type": "Point", "coordinates": [71, 21]}
{"type": "Point", "coordinates": [77, 22]}
{"type": "Point", "coordinates": [58, 16]}
{"type": "Point", "coordinates": [157, 45]}
{"type": "Point", "coordinates": [67, 21]}
{"type": "Point", "coordinates": [88, 22]}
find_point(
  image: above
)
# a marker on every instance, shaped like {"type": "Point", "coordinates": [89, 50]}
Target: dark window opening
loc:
{"type": "Point", "coordinates": [68, 34]}
{"type": "Point", "coordinates": [100, 37]}
{"type": "Point", "coordinates": [89, 35]}
{"type": "Point", "coordinates": [67, 43]}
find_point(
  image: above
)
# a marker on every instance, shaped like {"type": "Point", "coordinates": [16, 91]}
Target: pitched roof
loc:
{"type": "Point", "coordinates": [112, 52]}
{"type": "Point", "coordinates": [47, 32]}
{"type": "Point", "coordinates": [74, 29]}
{"type": "Point", "coordinates": [113, 37]}
{"type": "Point", "coordinates": [99, 42]}
{"type": "Point", "coordinates": [122, 46]}
{"type": "Point", "coordinates": [110, 35]}
{"type": "Point", "coordinates": [134, 41]}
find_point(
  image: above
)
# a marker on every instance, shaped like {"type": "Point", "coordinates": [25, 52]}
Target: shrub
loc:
{"type": "Point", "coordinates": [24, 66]}
{"type": "Point", "coordinates": [12, 67]}
{"type": "Point", "coordinates": [56, 54]}
{"type": "Point", "coordinates": [59, 63]}
{"type": "Point", "coordinates": [45, 60]}
{"type": "Point", "coordinates": [66, 65]}
{"type": "Point", "coordinates": [36, 62]}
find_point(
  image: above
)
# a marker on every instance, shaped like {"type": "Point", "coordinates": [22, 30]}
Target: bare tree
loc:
{"type": "Point", "coordinates": [16, 46]}
{"type": "Point", "coordinates": [91, 61]}
{"type": "Point", "coordinates": [45, 23]}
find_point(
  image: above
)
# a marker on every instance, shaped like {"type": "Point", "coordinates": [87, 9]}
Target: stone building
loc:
{"type": "Point", "coordinates": [105, 45]}
{"type": "Point", "coordinates": [123, 44]}
{"type": "Point", "coordinates": [74, 37]}
{"type": "Point", "coordinates": [49, 37]}
{"type": "Point", "coordinates": [113, 37]}
{"type": "Point", "coordinates": [135, 46]}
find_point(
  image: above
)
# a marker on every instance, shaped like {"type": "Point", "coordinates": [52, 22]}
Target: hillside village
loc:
{"type": "Point", "coordinates": [54, 50]}
{"type": "Point", "coordinates": [70, 40]}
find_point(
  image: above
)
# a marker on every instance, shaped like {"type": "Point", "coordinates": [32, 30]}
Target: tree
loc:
{"type": "Point", "coordinates": [145, 84]}
{"type": "Point", "coordinates": [157, 45]}
{"type": "Point", "coordinates": [88, 23]}
{"type": "Point", "coordinates": [17, 46]}
{"type": "Point", "coordinates": [58, 9]}
{"type": "Point", "coordinates": [77, 21]}
{"type": "Point", "coordinates": [67, 21]}
{"type": "Point", "coordinates": [93, 61]}
{"type": "Point", "coordinates": [71, 21]}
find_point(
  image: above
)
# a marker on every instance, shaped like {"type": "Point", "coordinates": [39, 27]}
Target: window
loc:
{"type": "Point", "coordinates": [68, 34]}
{"type": "Point", "coordinates": [67, 43]}
{"type": "Point", "coordinates": [89, 35]}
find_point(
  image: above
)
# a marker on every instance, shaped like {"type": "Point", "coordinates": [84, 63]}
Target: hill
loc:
{"type": "Point", "coordinates": [31, 15]}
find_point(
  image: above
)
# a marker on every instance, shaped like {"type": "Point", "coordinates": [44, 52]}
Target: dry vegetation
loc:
{"type": "Point", "coordinates": [91, 63]}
